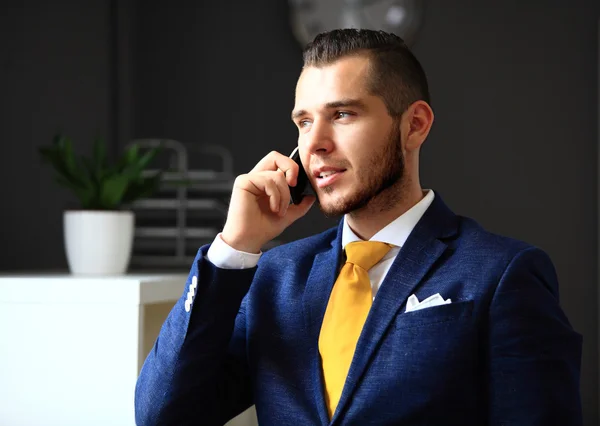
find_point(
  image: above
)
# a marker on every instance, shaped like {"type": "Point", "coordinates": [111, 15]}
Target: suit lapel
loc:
{"type": "Point", "coordinates": [316, 295]}
{"type": "Point", "coordinates": [421, 250]}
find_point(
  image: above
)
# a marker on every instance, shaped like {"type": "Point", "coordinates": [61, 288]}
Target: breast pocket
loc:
{"type": "Point", "coordinates": [436, 314]}
{"type": "Point", "coordinates": [431, 354]}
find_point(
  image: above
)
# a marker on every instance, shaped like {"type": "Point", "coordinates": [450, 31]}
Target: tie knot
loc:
{"type": "Point", "coordinates": [366, 253]}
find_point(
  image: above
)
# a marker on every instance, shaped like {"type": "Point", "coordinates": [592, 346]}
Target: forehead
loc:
{"type": "Point", "coordinates": [346, 78]}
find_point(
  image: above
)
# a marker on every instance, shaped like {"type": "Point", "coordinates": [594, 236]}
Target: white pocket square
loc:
{"type": "Point", "coordinates": [413, 303]}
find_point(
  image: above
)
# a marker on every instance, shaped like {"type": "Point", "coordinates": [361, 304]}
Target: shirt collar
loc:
{"type": "Point", "coordinates": [397, 231]}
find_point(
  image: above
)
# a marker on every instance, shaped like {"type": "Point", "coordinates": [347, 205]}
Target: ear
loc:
{"type": "Point", "coordinates": [418, 119]}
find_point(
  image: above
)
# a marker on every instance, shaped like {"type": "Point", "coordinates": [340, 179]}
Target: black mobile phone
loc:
{"type": "Point", "coordinates": [303, 186]}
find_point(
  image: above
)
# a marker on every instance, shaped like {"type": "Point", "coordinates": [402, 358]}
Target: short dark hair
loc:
{"type": "Point", "coordinates": [396, 75]}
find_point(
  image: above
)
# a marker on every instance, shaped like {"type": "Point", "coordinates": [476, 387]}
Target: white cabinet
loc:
{"type": "Point", "coordinates": [71, 348]}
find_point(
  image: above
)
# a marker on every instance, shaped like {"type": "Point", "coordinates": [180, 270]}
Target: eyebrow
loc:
{"type": "Point", "coordinates": [342, 103]}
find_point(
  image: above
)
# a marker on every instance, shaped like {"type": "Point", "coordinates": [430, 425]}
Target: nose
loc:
{"type": "Point", "coordinates": [319, 140]}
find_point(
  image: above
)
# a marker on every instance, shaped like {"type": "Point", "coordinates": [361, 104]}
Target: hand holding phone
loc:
{"type": "Point", "coordinates": [303, 186]}
{"type": "Point", "coordinates": [261, 205]}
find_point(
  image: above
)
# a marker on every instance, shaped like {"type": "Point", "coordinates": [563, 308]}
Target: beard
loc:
{"type": "Point", "coordinates": [383, 171]}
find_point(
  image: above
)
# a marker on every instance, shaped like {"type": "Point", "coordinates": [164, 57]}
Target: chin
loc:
{"type": "Point", "coordinates": [333, 204]}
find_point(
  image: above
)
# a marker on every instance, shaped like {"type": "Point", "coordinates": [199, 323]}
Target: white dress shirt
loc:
{"type": "Point", "coordinates": [395, 233]}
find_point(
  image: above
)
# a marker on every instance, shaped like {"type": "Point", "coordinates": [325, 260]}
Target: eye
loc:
{"type": "Point", "coordinates": [303, 123]}
{"type": "Point", "coordinates": [342, 114]}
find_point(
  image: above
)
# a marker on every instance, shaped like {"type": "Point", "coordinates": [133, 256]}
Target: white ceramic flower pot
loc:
{"type": "Point", "coordinates": [98, 242]}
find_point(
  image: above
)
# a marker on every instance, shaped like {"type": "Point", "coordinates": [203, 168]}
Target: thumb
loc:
{"type": "Point", "coordinates": [296, 211]}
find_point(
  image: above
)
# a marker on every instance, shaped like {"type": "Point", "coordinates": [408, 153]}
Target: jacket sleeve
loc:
{"type": "Point", "coordinates": [197, 373]}
{"type": "Point", "coordinates": [535, 355]}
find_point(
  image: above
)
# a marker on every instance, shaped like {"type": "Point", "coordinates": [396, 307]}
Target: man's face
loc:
{"type": "Point", "coordinates": [350, 146]}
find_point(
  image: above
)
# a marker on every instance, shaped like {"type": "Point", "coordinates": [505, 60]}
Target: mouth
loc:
{"type": "Point", "coordinates": [327, 176]}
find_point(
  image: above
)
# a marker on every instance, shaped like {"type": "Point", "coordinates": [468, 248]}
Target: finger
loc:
{"type": "Point", "coordinates": [284, 191]}
{"type": "Point", "coordinates": [260, 185]}
{"type": "Point", "coordinates": [296, 211]}
{"type": "Point", "coordinates": [275, 160]}
{"type": "Point", "coordinates": [249, 184]}
{"type": "Point", "coordinates": [279, 179]}
{"type": "Point", "coordinates": [272, 191]}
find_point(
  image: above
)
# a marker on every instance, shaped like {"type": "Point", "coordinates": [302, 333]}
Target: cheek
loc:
{"type": "Point", "coordinates": [361, 143]}
{"type": "Point", "coordinates": [304, 157]}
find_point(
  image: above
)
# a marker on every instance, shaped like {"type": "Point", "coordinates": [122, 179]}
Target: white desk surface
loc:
{"type": "Point", "coordinates": [64, 288]}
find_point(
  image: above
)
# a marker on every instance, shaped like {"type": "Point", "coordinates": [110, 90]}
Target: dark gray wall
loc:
{"type": "Point", "coordinates": [515, 94]}
{"type": "Point", "coordinates": [515, 143]}
{"type": "Point", "coordinates": [54, 75]}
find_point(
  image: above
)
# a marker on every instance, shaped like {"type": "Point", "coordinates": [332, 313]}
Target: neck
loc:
{"type": "Point", "coordinates": [384, 209]}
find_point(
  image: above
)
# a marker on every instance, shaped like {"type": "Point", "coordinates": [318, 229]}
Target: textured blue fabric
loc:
{"type": "Point", "coordinates": [503, 353]}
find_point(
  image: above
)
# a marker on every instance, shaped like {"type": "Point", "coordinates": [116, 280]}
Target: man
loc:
{"type": "Point", "coordinates": [404, 314]}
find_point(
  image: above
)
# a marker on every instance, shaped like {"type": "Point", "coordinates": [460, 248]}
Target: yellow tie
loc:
{"type": "Point", "coordinates": [347, 310]}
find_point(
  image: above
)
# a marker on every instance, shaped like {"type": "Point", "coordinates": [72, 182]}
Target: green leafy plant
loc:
{"type": "Point", "coordinates": [97, 184]}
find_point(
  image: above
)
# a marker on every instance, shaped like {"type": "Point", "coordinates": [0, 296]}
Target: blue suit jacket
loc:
{"type": "Point", "coordinates": [503, 353]}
